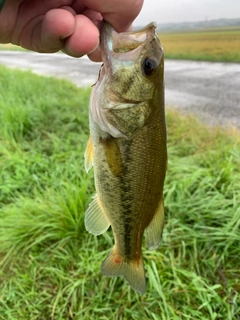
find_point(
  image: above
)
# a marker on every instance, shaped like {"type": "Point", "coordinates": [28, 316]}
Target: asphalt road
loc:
{"type": "Point", "coordinates": [209, 90]}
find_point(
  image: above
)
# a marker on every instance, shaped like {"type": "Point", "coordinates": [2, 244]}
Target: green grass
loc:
{"type": "Point", "coordinates": [217, 44]}
{"type": "Point", "coordinates": [50, 266]}
{"type": "Point", "coordinates": [11, 47]}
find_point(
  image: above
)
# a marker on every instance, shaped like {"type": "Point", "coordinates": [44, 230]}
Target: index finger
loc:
{"type": "Point", "coordinates": [120, 14]}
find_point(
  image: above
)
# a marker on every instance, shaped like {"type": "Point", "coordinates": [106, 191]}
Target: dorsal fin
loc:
{"type": "Point", "coordinates": [154, 230]}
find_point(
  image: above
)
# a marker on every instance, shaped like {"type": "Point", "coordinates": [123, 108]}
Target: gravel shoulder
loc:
{"type": "Point", "coordinates": [209, 90]}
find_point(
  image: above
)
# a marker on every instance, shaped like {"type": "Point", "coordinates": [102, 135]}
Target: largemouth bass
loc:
{"type": "Point", "coordinates": [127, 148]}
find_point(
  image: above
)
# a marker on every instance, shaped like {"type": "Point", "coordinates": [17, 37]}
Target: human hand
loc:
{"type": "Point", "coordinates": [68, 25]}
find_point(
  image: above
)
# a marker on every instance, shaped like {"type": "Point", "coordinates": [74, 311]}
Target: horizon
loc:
{"type": "Point", "coordinates": [179, 11]}
{"type": "Point", "coordinates": [197, 21]}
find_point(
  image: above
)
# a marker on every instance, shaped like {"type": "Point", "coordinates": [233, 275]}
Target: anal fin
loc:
{"type": "Point", "coordinates": [95, 219]}
{"type": "Point", "coordinates": [133, 271]}
{"type": "Point", "coordinates": [154, 230]}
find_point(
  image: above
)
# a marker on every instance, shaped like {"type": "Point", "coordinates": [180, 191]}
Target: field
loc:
{"type": "Point", "coordinates": [219, 44]}
{"type": "Point", "coordinates": [50, 265]}
{"type": "Point", "coordinates": [9, 46]}
{"type": "Point", "coordinates": [209, 45]}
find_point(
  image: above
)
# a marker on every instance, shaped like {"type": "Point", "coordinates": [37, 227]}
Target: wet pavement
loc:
{"type": "Point", "coordinates": [209, 90]}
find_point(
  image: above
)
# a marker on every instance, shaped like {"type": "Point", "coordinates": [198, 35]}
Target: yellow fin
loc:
{"type": "Point", "coordinates": [88, 155]}
{"type": "Point", "coordinates": [154, 230]}
{"type": "Point", "coordinates": [113, 155]}
{"type": "Point", "coordinates": [95, 219]}
{"type": "Point", "coordinates": [133, 271]}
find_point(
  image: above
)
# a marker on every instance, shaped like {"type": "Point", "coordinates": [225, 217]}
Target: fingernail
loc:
{"type": "Point", "coordinates": [94, 48]}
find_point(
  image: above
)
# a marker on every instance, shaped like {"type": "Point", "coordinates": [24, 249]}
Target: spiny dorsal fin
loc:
{"type": "Point", "coordinates": [154, 230]}
{"type": "Point", "coordinates": [95, 219]}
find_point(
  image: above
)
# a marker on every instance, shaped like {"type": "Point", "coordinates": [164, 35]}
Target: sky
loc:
{"type": "Point", "coordinates": [164, 11]}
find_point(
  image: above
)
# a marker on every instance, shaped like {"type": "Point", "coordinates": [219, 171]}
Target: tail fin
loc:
{"type": "Point", "coordinates": [133, 271]}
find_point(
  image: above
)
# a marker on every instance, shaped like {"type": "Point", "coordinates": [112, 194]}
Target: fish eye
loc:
{"type": "Point", "coordinates": [149, 66]}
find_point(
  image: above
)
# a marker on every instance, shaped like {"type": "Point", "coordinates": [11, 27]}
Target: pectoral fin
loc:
{"type": "Point", "coordinates": [88, 155]}
{"type": "Point", "coordinates": [95, 219]}
{"type": "Point", "coordinates": [154, 230]}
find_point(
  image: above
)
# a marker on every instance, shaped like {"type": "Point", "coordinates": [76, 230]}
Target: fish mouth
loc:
{"type": "Point", "coordinates": [124, 45]}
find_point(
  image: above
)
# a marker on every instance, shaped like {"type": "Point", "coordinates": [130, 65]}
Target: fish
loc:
{"type": "Point", "coordinates": [127, 149]}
